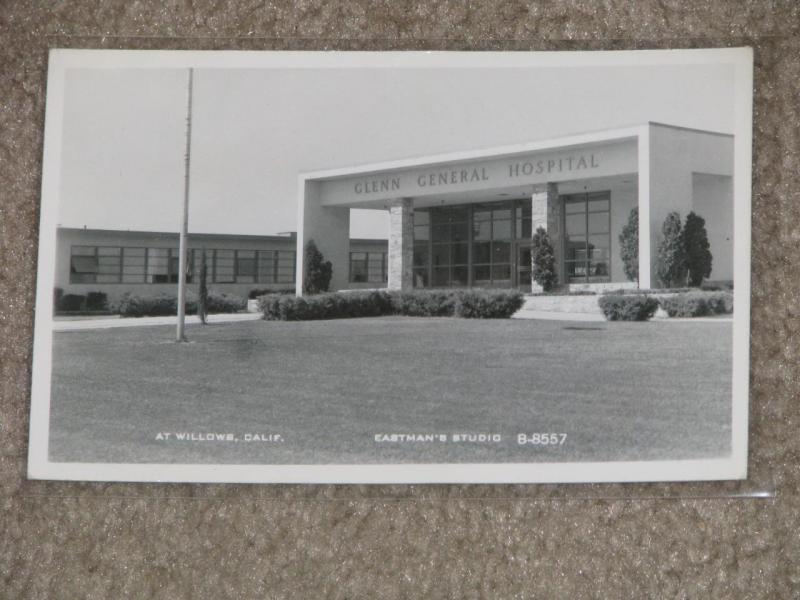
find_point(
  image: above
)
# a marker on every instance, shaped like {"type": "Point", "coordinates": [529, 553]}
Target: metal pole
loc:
{"type": "Point", "coordinates": [180, 336]}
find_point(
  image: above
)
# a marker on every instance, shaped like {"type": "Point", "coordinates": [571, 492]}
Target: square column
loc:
{"type": "Point", "coordinates": [546, 213]}
{"type": "Point", "coordinates": [401, 245]}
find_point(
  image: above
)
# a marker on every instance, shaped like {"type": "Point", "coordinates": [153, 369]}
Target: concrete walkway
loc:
{"type": "Point", "coordinates": [114, 322]}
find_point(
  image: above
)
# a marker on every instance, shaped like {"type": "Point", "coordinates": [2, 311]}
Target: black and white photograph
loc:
{"type": "Point", "coordinates": [394, 267]}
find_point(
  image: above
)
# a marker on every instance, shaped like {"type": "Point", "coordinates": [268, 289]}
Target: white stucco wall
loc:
{"type": "Point", "coordinates": [623, 200]}
{"type": "Point", "coordinates": [674, 154]}
{"type": "Point", "coordinates": [712, 199]}
{"type": "Point", "coordinates": [329, 227]}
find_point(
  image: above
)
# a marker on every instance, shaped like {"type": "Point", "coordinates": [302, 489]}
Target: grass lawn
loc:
{"type": "Point", "coordinates": [620, 391]}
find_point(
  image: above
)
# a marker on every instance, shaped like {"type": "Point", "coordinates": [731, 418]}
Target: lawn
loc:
{"type": "Point", "coordinates": [620, 391]}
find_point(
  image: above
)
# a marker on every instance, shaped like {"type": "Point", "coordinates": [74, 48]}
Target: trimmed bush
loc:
{"type": "Point", "coordinates": [223, 303]}
{"type": "Point", "coordinates": [697, 249]}
{"type": "Point", "coordinates": [543, 267]}
{"type": "Point", "coordinates": [671, 257]}
{"type": "Point", "coordinates": [317, 271]}
{"type": "Point", "coordinates": [698, 304]}
{"type": "Point", "coordinates": [96, 301]}
{"type": "Point", "coordinates": [629, 246]}
{"type": "Point", "coordinates": [256, 293]}
{"type": "Point", "coordinates": [470, 304]}
{"type": "Point", "coordinates": [481, 304]}
{"type": "Point", "coordinates": [627, 307]}
{"type": "Point", "coordinates": [165, 305]}
{"type": "Point", "coordinates": [424, 303]}
{"type": "Point", "coordinates": [72, 303]}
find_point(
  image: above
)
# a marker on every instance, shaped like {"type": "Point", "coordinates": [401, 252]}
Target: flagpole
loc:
{"type": "Point", "coordinates": [182, 250]}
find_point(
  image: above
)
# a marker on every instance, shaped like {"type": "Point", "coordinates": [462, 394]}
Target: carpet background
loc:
{"type": "Point", "coordinates": [73, 540]}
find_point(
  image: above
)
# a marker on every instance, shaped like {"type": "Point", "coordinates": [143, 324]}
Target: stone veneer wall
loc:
{"type": "Point", "coordinates": [546, 213]}
{"type": "Point", "coordinates": [401, 245]}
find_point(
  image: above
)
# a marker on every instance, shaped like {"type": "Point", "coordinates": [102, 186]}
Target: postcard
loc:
{"type": "Point", "coordinates": [394, 267]}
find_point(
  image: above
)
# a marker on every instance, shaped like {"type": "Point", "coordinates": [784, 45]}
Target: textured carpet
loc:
{"type": "Point", "coordinates": [69, 540]}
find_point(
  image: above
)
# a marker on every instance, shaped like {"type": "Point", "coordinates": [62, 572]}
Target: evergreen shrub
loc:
{"type": "Point", "coordinates": [629, 246]}
{"type": "Point", "coordinates": [696, 249]}
{"type": "Point", "coordinates": [697, 304]}
{"type": "Point", "coordinates": [627, 307]}
{"type": "Point", "coordinates": [481, 304]}
{"type": "Point", "coordinates": [543, 269]}
{"type": "Point", "coordinates": [166, 305]}
{"type": "Point", "coordinates": [96, 301]}
{"type": "Point", "coordinates": [72, 303]}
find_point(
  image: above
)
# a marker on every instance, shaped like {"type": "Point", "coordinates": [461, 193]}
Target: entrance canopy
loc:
{"type": "Point", "coordinates": [650, 167]}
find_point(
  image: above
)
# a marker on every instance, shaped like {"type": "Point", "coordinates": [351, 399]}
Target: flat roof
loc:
{"type": "Point", "coordinates": [587, 138]}
{"type": "Point", "coordinates": [291, 236]}
{"type": "Point", "coordinates": [288, 237]}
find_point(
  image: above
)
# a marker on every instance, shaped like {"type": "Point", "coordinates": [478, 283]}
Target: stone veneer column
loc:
{"type": "Point", "coordinates": [401, 245]}
{"type": "Point", "coordinates": [546, 213]}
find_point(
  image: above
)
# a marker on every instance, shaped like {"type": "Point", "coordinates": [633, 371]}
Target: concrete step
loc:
{"type": "Point", "coordinates": [562, 304]}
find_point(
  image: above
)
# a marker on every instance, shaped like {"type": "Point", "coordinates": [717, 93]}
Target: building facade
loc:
{"type": "Point", "coordinates": [466, 219]}
{"type": "Point", "coordinates": [146, 263]}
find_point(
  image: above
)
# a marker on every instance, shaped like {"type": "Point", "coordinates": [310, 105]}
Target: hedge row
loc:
{"type": "Point", "coordinates": [468, 304]}
{"type": "Point", "coordinates": [627, 307]}
{"type": "Point", "coordinates": [166, 305]}
{"type": "Point", "coordinates": [91, 302]}
{"type": "Point", "coordinates": [698, 304]}
{"type": "Point", "coordinates": [641, 307]}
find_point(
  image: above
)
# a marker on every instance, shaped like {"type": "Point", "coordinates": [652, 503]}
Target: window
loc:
{"type": "Point", "coordinates": [224, 266]}
{"type": "Point", "coordinates": [133, 265]}
{"type": "Point", "coordinates": [266, 266]}
{"type": "Point", "coordinates": [371, 267]}
{"type": "Point", "coordinates": [358, 267]}
{"type": "Point", "coordinates": [83, 264]}
{"type": "Point", "coordinates": [158, 265]}
{"type": "Point", "coordinates": [95, 264]}
{"type": "Point", "coordinates": [285, 266]}
{"type": "Point", "coordinates": [493, 232]}
{"type": "Point", "coordinates": [111, 264]}
{"type": "Point", "coordinates": [245, 266]}
{"type": "Point", "coordinates": [587, 239]}
{"type": "Point", "coordinates": [450, 246]}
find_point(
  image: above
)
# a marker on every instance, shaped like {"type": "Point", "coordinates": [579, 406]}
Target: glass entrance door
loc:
{"type": "Point", "coordinates": [523, 267]}
{"type": "Point", "coordinates": [587, 239]}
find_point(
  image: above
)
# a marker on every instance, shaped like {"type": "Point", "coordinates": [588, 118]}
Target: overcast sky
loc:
{"type": "Point", "coordinates": [255, 130]}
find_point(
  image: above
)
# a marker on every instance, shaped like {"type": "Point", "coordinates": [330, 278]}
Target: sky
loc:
{"type": "Point", "coordinates": [254, 130]}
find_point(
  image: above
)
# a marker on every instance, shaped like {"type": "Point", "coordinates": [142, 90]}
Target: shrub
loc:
{"type": "Point", "coordinates": [224, 303]}
{"type": "Point", "coordinates": [148, 306]}
{"type": "Point", "coordinates": [72, 303]}
{"type": "Point", "coordinates": [486, 304]}
{"type": "Point", "coordinates": [165, 305]}
{"type": "Point", "coordinates": [697, 304]}
{"type": "Point", "coordinates": [202, 288]}
{"type": "Point", "coordinates": [256, 293]}
{"type": "Point", "coordinates": [622, 307]}
{"type": "Point", "coordinates": [629, 246]}
{"type": "Point", "coordinates": [671, 262]}
{"type": "Point", "coordinates": [696, 248]}
{"type": "Point", "coordinates": [424, 303]}
{"type": "Point", "coordinates": [96, 301]}
{"type": "Point", "coordinates": [483, 304]}
{"type": "Point", "coordinates": [317, 272]}
{"type": "Point", "coordinates": [543, 268]}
